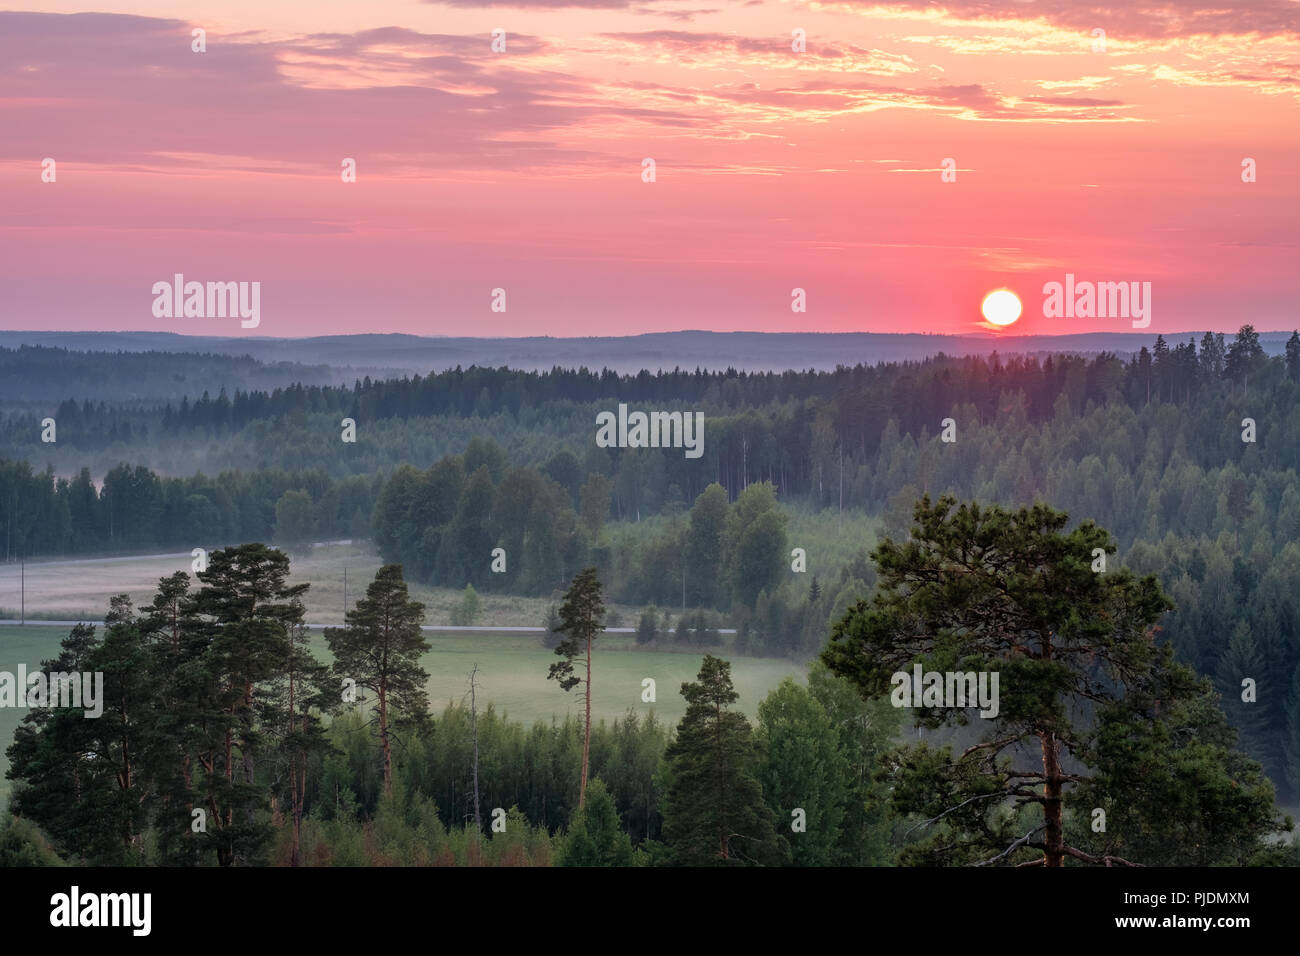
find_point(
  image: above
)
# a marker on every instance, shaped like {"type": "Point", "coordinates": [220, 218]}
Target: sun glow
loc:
{"type": "Point", "coordinates": [1001, 307]}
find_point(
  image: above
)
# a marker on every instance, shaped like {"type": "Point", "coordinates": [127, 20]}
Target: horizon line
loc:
{"type": "Point", "coordinates": [977, 334]}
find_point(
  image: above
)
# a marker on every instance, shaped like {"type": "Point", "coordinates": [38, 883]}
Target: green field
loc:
{"type": "Point", "coordinates": [79, 589]}
{"type": "Point", "coordinates": [511, 676]}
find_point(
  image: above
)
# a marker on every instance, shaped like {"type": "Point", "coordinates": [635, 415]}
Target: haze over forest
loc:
{"type": "Point", "coordinates": [340, 359]}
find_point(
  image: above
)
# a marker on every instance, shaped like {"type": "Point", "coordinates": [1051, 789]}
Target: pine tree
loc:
{"type": "Point", "coordinates": [582, 618]}
{"type": "Point", "coordinates": [249, 608]}
{"type": "Point", "coordinates": [122, 731]}
{"type": "Point", "coordinates": [177, 639]}
{"type": "Point", "coordinates": [715, 814]}
{"type": "Point", "coordinates": [1293, 357]}
{"type": "Point", "coordinates": [379, 649]}
{"type": "Point", "coordinates": [989, 591]}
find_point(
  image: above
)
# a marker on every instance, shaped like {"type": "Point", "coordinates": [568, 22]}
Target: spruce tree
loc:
{"type": "Point", "coordinates": [595, 838]}
{"type": "Point", "coordinates": [1291, 736]}
{"type": "Point", "coordinates": [1242, 661]}
{"type": "Point", "coordinates": [1245, 354]}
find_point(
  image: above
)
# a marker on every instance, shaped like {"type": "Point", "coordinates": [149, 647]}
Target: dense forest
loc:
{"type": "Point", "coordinates": [1187, 456]}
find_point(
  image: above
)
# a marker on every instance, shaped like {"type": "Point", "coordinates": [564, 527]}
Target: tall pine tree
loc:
{"type": "Point", "coordinates": [379, 649]}
{"type": "Point", "coordinates": [249, 607]}
{"type": "Point", "coordinates": [1082, 682]}
{"type": "Point", "coordinates": [715, 814]}
{"type": "Point", "coordinates": [582, 619]}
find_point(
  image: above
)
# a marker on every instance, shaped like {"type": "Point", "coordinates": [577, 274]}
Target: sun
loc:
{"type": "Point", "coordinates": [1001, 307]}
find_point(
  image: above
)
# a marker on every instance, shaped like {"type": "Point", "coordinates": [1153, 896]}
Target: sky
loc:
{"type": "Point", "coordinates": [1104, 140]}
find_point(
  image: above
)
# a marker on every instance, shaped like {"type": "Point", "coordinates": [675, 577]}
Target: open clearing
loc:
{"type": "Point", "coordinates": [80, 589]}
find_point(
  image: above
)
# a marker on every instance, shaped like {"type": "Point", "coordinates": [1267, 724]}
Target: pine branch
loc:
{"type": "Point", "coordinates": [982, 796]}
{"type": "Point", "coordinates": [1023, 841]}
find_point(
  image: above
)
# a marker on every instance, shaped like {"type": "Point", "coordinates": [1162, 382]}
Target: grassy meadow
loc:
{"type": "Point", "coordinates": [511, 675]}
{"type": "Point", "coordinates": [80, 589]}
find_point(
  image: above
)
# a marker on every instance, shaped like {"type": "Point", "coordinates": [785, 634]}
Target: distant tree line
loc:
{"type": "Point", "coordinates": [135, 379]}
{"type": "Point", "coordinates": [133, 508]}
{"type": "Point", "coordinates": [812, 434]}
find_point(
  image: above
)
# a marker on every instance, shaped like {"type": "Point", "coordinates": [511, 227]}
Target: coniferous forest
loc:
{"type": "Point", "coordinates": [1115, 538]}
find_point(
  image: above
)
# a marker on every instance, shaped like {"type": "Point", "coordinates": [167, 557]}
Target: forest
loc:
{"type": "Point", "coordinates": [226, 741]}
{"type": "Point", "coordinates": [1186, 456]}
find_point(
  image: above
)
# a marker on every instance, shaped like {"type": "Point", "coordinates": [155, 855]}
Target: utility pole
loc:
{"type": "Point", "coordinates": [345, 594]}
{"type": "Point", "coordinates": [23, 588]}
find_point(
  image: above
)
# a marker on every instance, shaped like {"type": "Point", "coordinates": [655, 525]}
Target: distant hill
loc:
{"type": "Point", "coordinates": [353, 356]}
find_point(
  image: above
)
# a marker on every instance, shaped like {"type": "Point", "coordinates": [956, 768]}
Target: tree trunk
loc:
{"type": "Point", "coordinates": [383, 737]}
{"type": "Point", "coordinates": [295, 856]}
{"type": "Point", "coordinates": [722, 794]}
{"type": "Point", "coordinates": [1054, 841]}
{"type": "Point", "coordinates": [299, 797]}
{"type": "Point", "coordinates": [586, 737]}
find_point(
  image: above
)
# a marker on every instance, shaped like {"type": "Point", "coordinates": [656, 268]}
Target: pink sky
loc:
{"type": "Point", "coordinates": [522, 169]}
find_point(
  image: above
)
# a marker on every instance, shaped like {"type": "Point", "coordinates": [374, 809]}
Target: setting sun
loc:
{"type": "Point", "coordinates": [1001, 307]}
